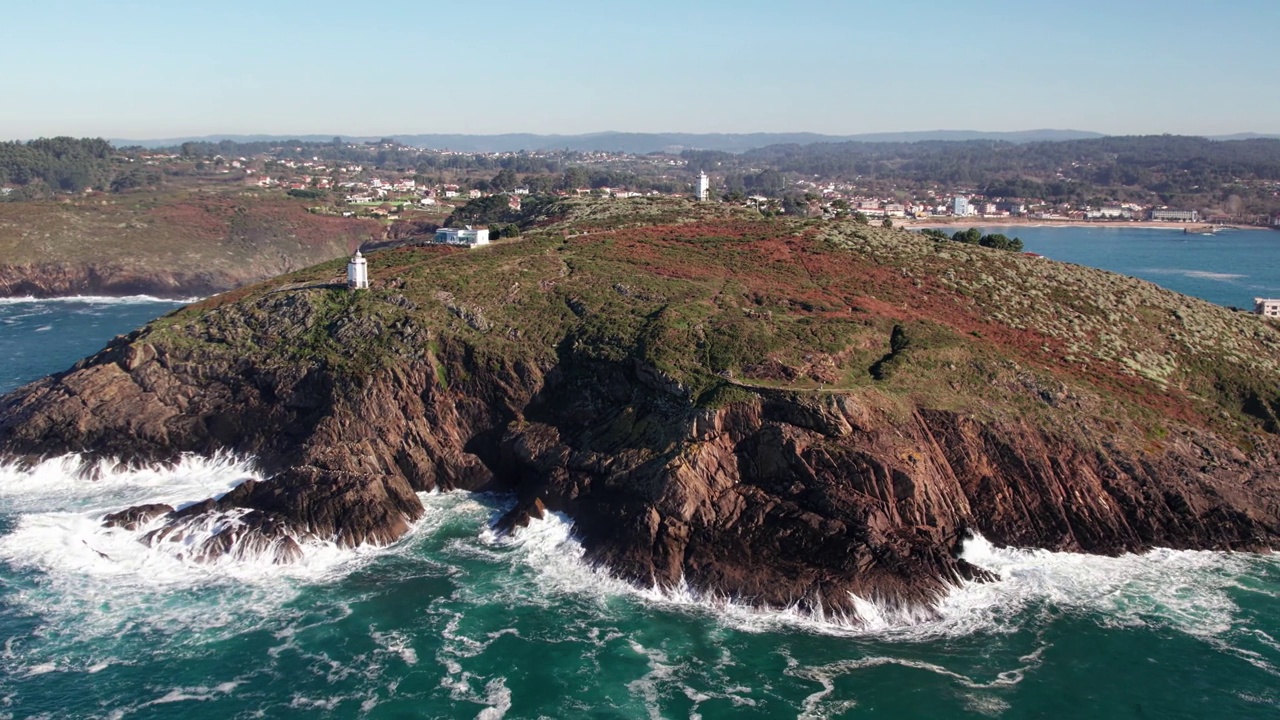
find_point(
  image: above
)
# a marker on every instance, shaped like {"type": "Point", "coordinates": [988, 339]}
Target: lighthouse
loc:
{"type": "Point", "coordinates": [358, 273]}
{"type": "Point", "coordinates": [704, 186]}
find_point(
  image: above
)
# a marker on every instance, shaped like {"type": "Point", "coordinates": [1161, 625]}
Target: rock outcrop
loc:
{"type": "Point", "coordinates": [763, 491]}
{"type": "Point", "coordinates": [46, 280]}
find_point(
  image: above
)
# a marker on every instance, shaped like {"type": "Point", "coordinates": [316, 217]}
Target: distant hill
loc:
{"type": "Point", "coordinates": [1247, 136]}
{"type": "Point", "coordinates": [660, 142]}
{"type": "Point", "coordinates": [638, 142]}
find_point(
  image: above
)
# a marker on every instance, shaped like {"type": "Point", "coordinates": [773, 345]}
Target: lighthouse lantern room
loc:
{"type": "Point", "coordinates": [358, 273]}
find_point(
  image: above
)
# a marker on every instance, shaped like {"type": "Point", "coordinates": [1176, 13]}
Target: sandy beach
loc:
{"type": "Point", "coordinates": [965, 223]}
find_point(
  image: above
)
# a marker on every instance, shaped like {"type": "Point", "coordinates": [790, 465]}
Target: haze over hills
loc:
{"type": "Point", "coordinates": [638, 142]}
{"type": "Point", "coordinates": [658, 142]}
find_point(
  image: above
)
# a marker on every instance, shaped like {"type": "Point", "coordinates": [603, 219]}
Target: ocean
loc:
{"type": "Point", "coordinates": [456, 622]}
{"type": "Point", "coordinates": [1230, 268]}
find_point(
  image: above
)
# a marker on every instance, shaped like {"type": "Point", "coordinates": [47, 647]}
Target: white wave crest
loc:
{"type": "Point", "coordinates": [60, 529]}
{"type": "Point", "coordinates": [1188, 591]}
{"type": "Point", "coordinates": [100, 300]}
{"type": "Point", "coordinates": [71, 482]}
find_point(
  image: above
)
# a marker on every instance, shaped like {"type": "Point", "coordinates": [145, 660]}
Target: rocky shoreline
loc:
{"type": "Point", "coordinates": [768, 494]}
{"type": "Point", "coordinates": [54, 280]}
{"type": "Point", "coordinates": [781, 499]}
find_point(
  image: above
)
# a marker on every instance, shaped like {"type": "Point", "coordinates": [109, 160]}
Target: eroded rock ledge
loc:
{"type": "Point", "coordinates": [782, 412]}
{"type": "Point", "coordinates": [778, 499]}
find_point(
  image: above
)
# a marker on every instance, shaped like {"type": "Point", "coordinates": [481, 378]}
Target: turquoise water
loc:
{"type": "Point", "coordinates": [1230, 268]}
{"type": "Point", "coordinates": [38, 337]}
{"type": "Point", "coordinates": [454, 622]}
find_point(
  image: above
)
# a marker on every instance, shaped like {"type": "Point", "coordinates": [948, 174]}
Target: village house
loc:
{"type": "Point", "coordinates": [468, 236]}
{"type": "Point", "coordinates": [1266, 307]}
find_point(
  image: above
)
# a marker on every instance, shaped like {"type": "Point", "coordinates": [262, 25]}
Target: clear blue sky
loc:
{"type": "Point", "coordinates": [166, 68]}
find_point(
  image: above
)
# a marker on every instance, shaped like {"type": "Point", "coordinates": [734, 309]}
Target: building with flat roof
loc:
{"type": "Point", "coordinates": [468, 236]}
{"type": "Point", "coordinates": [1266, 307]}
{"type": "Point", "coordinates": [960, 206]}
{"type": "Point", "coordinates": [1176, 215]}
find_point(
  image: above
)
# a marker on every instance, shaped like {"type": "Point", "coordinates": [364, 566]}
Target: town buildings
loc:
{"type": "Point", "coordinates": [960, 207]}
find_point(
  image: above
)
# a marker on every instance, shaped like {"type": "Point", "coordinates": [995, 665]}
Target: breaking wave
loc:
{"type": "Point", "coordinates": [99, 300]}
{"type": "Point", "coordinates": [90, 572]}
{"type": "Point", "coordinates": [1188, 591]}
{"type": "Point", "coordinates": [57, 507]}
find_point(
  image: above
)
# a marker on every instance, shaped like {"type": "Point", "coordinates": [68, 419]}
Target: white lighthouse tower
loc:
{"type": "Point", "coordinates": [358, 273]}
{"type": "Point", "coordinates": [704, 186]}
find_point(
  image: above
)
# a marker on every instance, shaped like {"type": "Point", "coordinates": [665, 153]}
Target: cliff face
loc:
{"type": "Point", "coordinates": [63, 280]}
{"type": "Point", "coordinates": [168, 244]}
{"type": "Point", "coordinates": [778, 476]}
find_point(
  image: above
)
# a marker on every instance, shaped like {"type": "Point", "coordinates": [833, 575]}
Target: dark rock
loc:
{"type": "Point", "coordinates": [521, 515]}
{"type": "Point", "coordinates": [134, 517]}
{"type": "Point", "coordinates": [777, 498]}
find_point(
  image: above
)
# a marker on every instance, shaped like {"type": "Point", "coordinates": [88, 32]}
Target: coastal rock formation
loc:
{"type": "Point", "coordinates": [45, 280]}
{"type": "Point", "coordinates": [166, 244]}
{"type": "Point", "coordinates": [717, 424]}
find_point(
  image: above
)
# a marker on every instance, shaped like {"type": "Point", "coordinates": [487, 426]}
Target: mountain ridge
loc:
{"type": "Point", "coordinates": [630, 141]}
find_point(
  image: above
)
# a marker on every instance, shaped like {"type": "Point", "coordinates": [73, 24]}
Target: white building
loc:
{"type": "Point", "coordinates": [358, 273]}
{"type": "Point", "coordinates": [463, 236]}
{"type": "Point", "coordinates": [961, 206]}
{"type": "Point", "coordinates": [1266, 307]}
{"type": "Point", "coordinates": [1109, 213]}
{"type": "Point", "coordinates": [704, 186]}
{"type": "Point", "coordinates": [1176, 215]}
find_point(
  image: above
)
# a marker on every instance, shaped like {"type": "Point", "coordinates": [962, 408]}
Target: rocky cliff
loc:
{"type": "Point", "coordinates": [781, 412]}
{"type": "Point", "coordinates": [168, 244]}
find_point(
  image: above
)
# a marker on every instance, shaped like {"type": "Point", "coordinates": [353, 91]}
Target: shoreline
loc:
{"type": "Point", "coordinates": [979, 222]}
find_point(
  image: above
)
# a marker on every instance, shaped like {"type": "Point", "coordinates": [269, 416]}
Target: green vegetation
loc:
{"type": "Point", "coordinates": [710, 305]}
{"type": "Point", "coordinates": [228, 238]}
{"type": "Point", "coordinates": [974, 236]}
{"type": "Point", "coordinates": [41, 167]}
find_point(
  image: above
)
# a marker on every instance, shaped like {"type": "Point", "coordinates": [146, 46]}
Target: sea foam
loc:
{"type": "Point", "coordinates": [100, 300]}
{"type": "Point", "coordinates": [60, 504]}
{"type": "Point", "coordinates": [1189, 591]}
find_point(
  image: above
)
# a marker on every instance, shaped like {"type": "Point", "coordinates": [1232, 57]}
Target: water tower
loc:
{"type": "Point", "coordinates": [358, 273]}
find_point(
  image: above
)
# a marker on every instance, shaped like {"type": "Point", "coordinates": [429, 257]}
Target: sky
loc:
{"type": "Point", "coordinates": [145, 69]}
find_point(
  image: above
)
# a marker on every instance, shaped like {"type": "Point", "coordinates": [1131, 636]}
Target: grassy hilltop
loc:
{"type": "Point", "coordinates": [779, 410]}
{"type": "Point", "coordinates": [719, 300]}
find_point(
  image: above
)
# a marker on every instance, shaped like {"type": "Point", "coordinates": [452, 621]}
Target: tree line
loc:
{"type": "Point", "coordinates": [974, 236]}
{"type": "Point", "coordinates": [41, 167]}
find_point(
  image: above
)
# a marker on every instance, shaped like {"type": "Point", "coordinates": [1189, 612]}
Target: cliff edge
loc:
{"type": "Point", "coordinates": [780, 411]}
